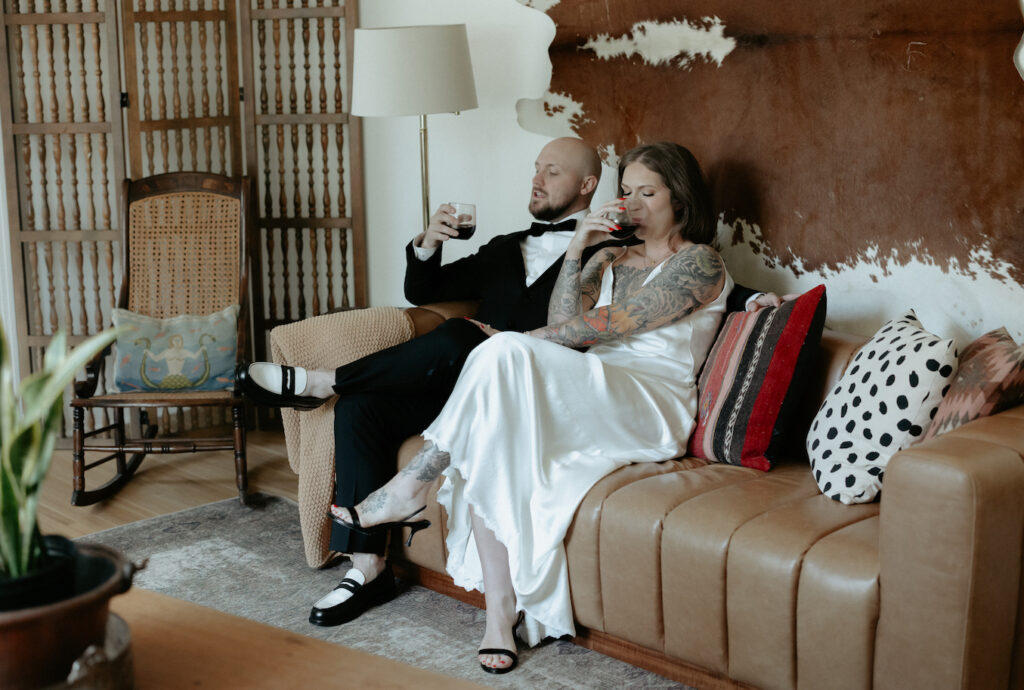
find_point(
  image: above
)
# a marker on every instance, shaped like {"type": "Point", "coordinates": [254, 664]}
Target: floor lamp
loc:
{"type": "Point", "coordinates": [413, 70]}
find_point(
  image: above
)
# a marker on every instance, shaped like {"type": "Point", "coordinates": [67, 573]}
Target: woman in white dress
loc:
{"type": "Point", "coordinates": [535, 420]}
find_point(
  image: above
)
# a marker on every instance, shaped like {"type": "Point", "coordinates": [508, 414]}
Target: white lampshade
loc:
{"type": "Point", "coordinates": [412, 70]}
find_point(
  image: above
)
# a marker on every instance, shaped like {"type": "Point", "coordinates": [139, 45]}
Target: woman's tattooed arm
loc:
{"type": "Point", "coordinates": [577, 291]}
{"type": "Point", "coordinates": [690, 279]}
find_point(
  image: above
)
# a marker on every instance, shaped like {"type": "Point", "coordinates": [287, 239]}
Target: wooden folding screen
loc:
{"type": "Point", "coordinates": [184, 108]}
{"type": "Point", "coordinates": [181, 85]}
{"type": "Point", "coordinates": [305, 158]}
{"type": "Point", "coordinates": [63, 164]}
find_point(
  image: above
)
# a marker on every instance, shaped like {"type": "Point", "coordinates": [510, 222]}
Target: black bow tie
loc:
{"type": "Point", "coordinates": [537, 228]}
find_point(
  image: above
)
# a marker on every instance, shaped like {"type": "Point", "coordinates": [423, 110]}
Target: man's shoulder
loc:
{"type": "Point", "coordinates": [502, 242]}
{"type": "Point", "coordinates": [508, 237]}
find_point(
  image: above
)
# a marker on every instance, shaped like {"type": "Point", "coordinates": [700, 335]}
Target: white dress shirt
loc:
{"type": "Point", "coordinates": [538, 252]}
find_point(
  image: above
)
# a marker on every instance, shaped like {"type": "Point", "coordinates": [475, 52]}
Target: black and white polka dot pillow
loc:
{"type": "Point", "coordinates": [883, 402]}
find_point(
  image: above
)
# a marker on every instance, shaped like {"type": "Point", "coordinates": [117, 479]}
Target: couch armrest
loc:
{"type": "Point", "coordinates": [429, 316]}
{"type": "Point", "coordinates": [952, 524]}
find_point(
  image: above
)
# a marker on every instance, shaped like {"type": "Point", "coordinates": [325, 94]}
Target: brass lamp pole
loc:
{"type": "Point", "coordinates": [413, 70]}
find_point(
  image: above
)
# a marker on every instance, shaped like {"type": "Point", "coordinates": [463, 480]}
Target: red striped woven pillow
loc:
{"type": "Point", "coordinates": [749, 387]}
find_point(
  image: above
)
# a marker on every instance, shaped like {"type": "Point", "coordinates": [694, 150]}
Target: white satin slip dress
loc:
{"type": "Point", "coordinates": [532, 425]}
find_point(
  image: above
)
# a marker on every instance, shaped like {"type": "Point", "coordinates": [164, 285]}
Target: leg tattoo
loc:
{"type": "Point", "coordinates": [377, 500]}
{"type": "Point", "coordinates": [428, 464]}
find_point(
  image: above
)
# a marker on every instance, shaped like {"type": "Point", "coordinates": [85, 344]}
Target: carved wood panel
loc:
{"type": "Point", "coordinates": [303, 156]}
{"type": "Point", "coordinates": [187, 59]}
{"type": "Point", "coordinates": [182, 86]}
{"type": "Point", "coordinates": [64, 164]}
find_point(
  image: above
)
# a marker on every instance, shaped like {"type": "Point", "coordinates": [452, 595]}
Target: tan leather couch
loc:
{"type": "Point", "coordinates": [723, 576]}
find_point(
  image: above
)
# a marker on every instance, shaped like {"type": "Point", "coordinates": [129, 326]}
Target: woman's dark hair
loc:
{"type": "Point", "coordinates": [687, 187]}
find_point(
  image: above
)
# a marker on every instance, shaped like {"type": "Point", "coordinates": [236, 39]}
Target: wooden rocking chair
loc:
{"type": "Point", "coordinates": [185, 249]}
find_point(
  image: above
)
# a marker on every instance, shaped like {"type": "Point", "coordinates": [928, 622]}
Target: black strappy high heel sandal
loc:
{"type": "Point", "coordinates": [414, 526]}
{"type": "Point", "coordinates": [504, 652]}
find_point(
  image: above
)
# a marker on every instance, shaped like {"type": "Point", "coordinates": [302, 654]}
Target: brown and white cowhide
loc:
{"type": "Point", "coordinates": [877, 144]}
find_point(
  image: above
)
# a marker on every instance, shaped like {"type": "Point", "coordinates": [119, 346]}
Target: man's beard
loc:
{"type": "Point", "coordinates": [550, 212]}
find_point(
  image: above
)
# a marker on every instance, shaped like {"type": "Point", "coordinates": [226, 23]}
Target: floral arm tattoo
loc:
{"type": "Point", "coordinates": [692, 278]}
{"type": "Point", "coordinates": [577, 291]}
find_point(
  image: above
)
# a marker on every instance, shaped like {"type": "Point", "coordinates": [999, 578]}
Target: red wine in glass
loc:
{"type": "Point", "coordinates": [626, 230]}
{"type": "Point", "coordinates": [626, 225]}
{"type": "Point", "coordinates": [466, 228]}
{"type": "Point", "coordinates": [465, 220]}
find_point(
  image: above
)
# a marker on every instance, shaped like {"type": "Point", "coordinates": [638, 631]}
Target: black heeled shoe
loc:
{"type": "Point", "coordinates": [504, 652]}
{"type": "Point", "coordinates": [414, 526]}
{"type": "Point", "coordinates": [268, 398]}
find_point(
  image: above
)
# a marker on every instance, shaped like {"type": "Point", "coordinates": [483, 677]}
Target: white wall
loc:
{"type": "Point", "coordinates": [481, 156]}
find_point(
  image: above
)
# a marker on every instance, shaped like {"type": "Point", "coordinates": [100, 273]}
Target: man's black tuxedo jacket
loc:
{"type": "Point", "coordinates": [496, 277]}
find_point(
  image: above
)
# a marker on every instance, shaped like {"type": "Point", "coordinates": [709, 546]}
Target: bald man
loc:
{"type": "Point", "coordinates": [391, 395]}
{"type": "Point", "coordinates": [394, 394]}
{"type": "Point", "coordinates": [512, 275]}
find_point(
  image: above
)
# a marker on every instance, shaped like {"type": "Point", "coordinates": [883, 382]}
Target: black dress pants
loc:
{"type": "Point", "coordinates": [385, 398]}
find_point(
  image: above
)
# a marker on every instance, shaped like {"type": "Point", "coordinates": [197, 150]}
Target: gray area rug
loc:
{"type": "Point", "coordinates": [248, 561]}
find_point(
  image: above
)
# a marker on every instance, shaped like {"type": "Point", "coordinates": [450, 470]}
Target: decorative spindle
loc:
{"type": "Point", "coordinates": [296, 210]}
{"type": "Point", "coordinates": [89, 209]}
{"type": "Point", "coordinates": [268, 200]}
{"type": "Point", "coordinates": [282, 198]}
{"type": "Point", "coordinates": [190, 98]}
{"type": "Point", "coordinates": [339, 138]}
{"type": "Point", "coordinates": [147, 100]}
{"type": "Point", "coordinates": [101, 116]}
{"type": "Point", "coordinates": [339, 134]}
{"type": "Point", "coordinates": [179, 140]}
{"type": "Point", "coordinates": [205, 87]}
{"type": "Point", "coordinates": [222, 135]}
{"type": "Point", "coordinates": [69, 116]}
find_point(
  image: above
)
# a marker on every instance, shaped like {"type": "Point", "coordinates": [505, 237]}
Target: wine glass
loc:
{"type": "Point", "coordinates": [465, 220]}
{"type": "Point", "coordinates": [621, 217]}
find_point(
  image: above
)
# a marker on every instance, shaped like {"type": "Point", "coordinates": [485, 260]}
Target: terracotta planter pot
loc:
{"type": "Point", "coordinates": [39, 644]}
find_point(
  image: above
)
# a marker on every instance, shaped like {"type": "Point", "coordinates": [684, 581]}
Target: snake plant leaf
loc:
{"type": "Point", "coordinates": [28, 529]}
{"type": "Point", "coordinates": [9, 522]}
{"type": "Point", "coordinates": [55, 350]}
{"type": "Point", "coordinates": [35, 473]}
{"type": "Point", "coordinates": [7, 402]}
{"type": "Point", "coordinates": [27, 442]}
{"type": "Point", "coordinates": [21, 453]}
{"type": "Point", "coordinates": [63, 371]}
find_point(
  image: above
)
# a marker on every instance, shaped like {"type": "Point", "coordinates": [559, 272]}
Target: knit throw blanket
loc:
{"type": "Point", "coordinates": [326, 342]}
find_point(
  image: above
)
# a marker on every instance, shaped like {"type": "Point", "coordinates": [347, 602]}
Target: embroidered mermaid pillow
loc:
{"type": "Point", "coordinates": [183, 353]}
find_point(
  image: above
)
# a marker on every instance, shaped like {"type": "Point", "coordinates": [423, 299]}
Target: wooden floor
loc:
{"type": "Point", "coordinates": [164, 484]}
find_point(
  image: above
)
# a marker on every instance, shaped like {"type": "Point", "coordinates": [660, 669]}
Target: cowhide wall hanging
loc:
{"type": "Point", "coordinates": [877, 146]}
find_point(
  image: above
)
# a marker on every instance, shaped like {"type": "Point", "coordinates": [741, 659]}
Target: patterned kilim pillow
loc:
{"type": "Point", "coordinates": [884, 401]}
{"type": "Point", "coordinates": [751, 382]}
{"type": "Point", "coordinates": [183, 353]}
{"type": "Point", "coordinates": [990, 379]}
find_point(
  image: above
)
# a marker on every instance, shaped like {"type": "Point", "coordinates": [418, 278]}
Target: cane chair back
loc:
{"type": "Point", "coordinates": [185, 251]}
